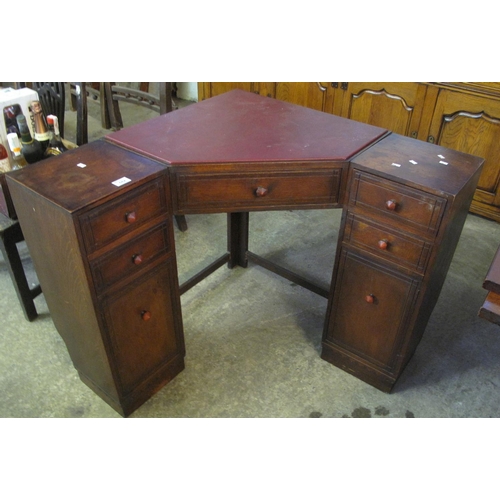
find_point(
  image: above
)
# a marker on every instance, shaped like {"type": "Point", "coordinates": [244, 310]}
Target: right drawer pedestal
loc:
{"type": "Point", "coordinates": [395, 245]}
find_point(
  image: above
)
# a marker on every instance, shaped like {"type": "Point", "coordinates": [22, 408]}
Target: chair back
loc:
{"type": "Point", "coordinates": [115, 94]}
{"type": "Point", "coordinates": [52, 97]}
{"type": "Point", "coordinates": [79, 94]}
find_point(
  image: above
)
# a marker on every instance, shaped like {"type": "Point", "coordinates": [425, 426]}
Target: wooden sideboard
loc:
{"type": "Point", "coordinates": [490, 309]}
{"type": "Point", "coordinates": [98, 224]}
{"type": "Point", "coordinates": [463, 116]}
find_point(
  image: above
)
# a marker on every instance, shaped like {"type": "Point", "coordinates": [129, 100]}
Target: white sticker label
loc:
{"type": "Point", "coordinates": [395, 164]}
{"type": "Point", "coordinates": [121, 182]}
{"type": "Point", "coordinates": [414, 162]}
{"type": "Point", "coordinates": [441, 156]}
{"type": "Point", "coordinates": [81, 165]}
{"type": "Point", "coordinates": [444, 162]}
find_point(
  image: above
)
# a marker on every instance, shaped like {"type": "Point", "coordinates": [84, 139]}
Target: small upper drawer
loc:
{"type": "Point", "coordinates": [388, 243]}
{"type": "Point", "coordinates": [255, 190]}
{"type": "Point", "coordinates": [130, 258]}
{"type": "Point", "coordinates": [103, 224]}
{"type": "Point", "coordinates": [411, 207]}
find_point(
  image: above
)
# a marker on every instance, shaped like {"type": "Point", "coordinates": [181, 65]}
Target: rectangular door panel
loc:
{"type": "Point", "coordinates": [144, 325]}
{"type": "Point", "coordinates": [370, 309]}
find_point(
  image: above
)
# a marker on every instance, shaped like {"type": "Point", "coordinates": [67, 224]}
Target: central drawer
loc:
{"type": "Point", "coordinates": [256, 190]}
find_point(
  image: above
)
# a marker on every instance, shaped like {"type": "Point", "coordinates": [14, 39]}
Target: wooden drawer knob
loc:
{"type": "Point", "coordinates": [131, 217]}
{"type": "Point", "coordinates": [145, 315]}
{"type": "Point", "coordinates": [383, 244]}
{"type": "Point", "coordinates": [261, 191]}
{"type": "Point", "coordinates": [137, 259]}
{"type": "Point", "coordinates": [391, 204]}
{"type": "Point", "coordinates": [370, 298]}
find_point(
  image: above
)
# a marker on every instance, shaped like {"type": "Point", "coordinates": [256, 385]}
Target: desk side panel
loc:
{"type": "Point", "coordinates": [446, 243]}
{"type": "Point", "coordinates": [54, 247]}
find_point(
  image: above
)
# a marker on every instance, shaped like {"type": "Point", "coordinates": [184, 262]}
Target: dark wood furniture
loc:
{"type": "Point", "coordinates": [162, 103]}
{"type": "Point", "coordinates": [405, 208]}
{"type": "Point", "coordinates": [10, 236]}
{"type": "Point", "coordinates": [80, 93]}
{"type": "Point", "coordinates": [105, 253]}
{"type": "Point", "coordinates": [490, 309]}
{"type": "Point", "coordinates": [52, 96]}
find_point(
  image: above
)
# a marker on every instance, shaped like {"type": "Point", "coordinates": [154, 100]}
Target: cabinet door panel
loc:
{"type": "Point", "coordinates": [144, 327]}
{"type": "Point", "coordinates": [211, 89]}
{"type": "Point", "coordinates": [370, 309]}
{"type": "Point", "coordinates": [471, 124]}
{"type": "Point", "coordinates": [395, 106]}
{"type": "Point", "coordinates": [309, 94]}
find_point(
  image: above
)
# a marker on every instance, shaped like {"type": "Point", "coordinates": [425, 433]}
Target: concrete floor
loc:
{"type": "Point", "coordinates": [253, 339]}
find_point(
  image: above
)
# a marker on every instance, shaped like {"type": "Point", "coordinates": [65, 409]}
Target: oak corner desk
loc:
{"type": "Point", "coordinates": [98, 224]}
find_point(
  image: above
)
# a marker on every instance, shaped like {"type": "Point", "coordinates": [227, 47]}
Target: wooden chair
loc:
{"type": "Point", "coordinates": [52, 96]}
{"type": "Point", "coordinates": [10, 235]}
{"type": "Point", "coordinates": [115, 94]}
{"type": "Point", "coordinates": [162, 104]}
{"type": "Point", "coordinates": [92, 91]}
{"type": "Point", "coordinates": [79, 95]}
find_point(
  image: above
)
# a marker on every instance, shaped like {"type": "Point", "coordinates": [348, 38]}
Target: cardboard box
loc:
{"type": "Point", "coordinates": [12, 100]}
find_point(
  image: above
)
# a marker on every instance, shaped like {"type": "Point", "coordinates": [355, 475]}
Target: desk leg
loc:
{"type": "Point", "coordinates": [237, 239]}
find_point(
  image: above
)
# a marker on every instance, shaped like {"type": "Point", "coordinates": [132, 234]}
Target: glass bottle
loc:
{"type": "Point", "coordinates": [15, 147]}
{"type": "Point", "coordinates": [56, 146]}
{"type": "Point", "coordinates": [41, 130]}
{"type": "Point", "coordinates": [4, 159]}
{"type": "Point", "coordinates": [9, 115]}
{"type": "Point", "coordinates": [30, 148]}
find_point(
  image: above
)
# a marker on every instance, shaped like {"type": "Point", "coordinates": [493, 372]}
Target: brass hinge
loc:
{"type": "Point", "coordinates": [343, 85]}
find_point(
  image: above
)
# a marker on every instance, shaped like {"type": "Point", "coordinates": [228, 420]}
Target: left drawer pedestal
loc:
{"type": "Point", "coordinates": [106, 264]}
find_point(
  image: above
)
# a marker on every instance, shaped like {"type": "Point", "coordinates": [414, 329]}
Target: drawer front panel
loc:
{"type": "Point", "coordinates": [257, 190]}
{"type": "Point", "coordinates": [396, 246]}
{"type": "Point", "coordinates": [371, 307]}
{"type": "Point", "coordinates": [104, 224]}
{"type": "Point", "coordinates": [389, 199]}
{"type": "Point", "coordinates": [130, 258]}
{"type": "Point", "coordinates": [144, 327]}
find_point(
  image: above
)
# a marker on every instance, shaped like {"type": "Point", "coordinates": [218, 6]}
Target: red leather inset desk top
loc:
{"type": "Point", "coordinates": [240, 126]}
